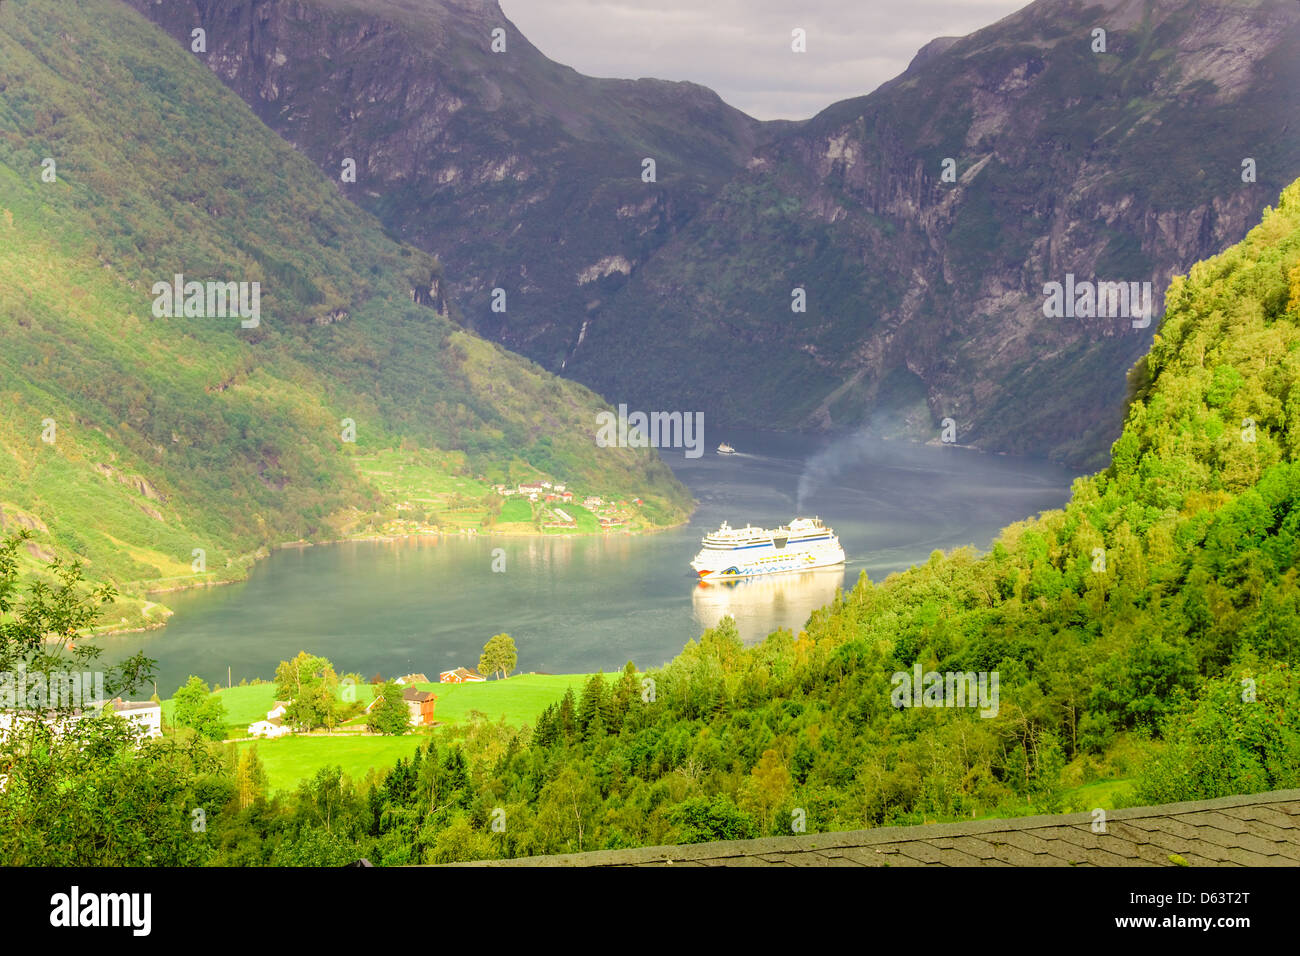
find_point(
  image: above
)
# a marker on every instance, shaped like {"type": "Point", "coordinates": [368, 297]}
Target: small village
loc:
{"type": "Point", "coordinates": [420, 704]}
{"type": "Point", "coordinates": [612, 515]}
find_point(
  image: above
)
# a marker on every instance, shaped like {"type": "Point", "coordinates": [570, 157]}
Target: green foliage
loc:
{"type": "Point", "coordinates": [1241, 736]}
{"type": "Point", "coordinates": [701, 820]}
{"type": "Point", "coordinates": [389, 714]}
{"type": "Point", "coordinates": [81, 790]}
{"type": "Point", "coordinates": [200, 710]}
{"type": "Point", "coordinates": [499, 656]}
{"type": "Point", "coordinates": [310, 685]}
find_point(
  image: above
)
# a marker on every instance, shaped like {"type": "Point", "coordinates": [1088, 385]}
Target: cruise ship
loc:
{"type": "Point", "coordinates": [743, 552]}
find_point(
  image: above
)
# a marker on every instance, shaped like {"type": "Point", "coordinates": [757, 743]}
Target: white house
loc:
{"type": "Point", "coordinates": [273, 726]}
{"type": "Point", "coordinates": [144, 714]}
{"type": "Point", "coordinates": [270, 728]}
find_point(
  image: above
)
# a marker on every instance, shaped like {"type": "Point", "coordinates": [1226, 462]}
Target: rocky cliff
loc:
{"type": "Point", "coordinates": [519, 173]}
{"type": "Point", "coordinates": [924, 297]}
{"type": "Point", "coordinates": [917, 225]}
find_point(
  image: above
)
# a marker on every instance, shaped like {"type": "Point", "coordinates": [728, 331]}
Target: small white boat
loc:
{"type": "Point", "coordinates": [725, 449]}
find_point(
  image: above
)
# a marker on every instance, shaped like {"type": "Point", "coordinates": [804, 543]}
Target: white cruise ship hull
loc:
{"type": "Point", "coordinates": [758, 559]}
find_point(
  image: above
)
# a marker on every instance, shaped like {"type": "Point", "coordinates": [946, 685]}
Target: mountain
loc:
{"type": "Point", "coordinates": [519, 173]}
{"type": "Point", "coordinates": [132, 440]}
{"type": "Point", "coordinates": [924, 297]}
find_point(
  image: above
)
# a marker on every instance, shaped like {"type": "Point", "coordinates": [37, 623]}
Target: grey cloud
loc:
{"type": "Point", "coordinates": [741, 48]}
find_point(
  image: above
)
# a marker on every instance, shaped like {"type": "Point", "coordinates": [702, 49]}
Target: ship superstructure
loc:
{"type": "Point", "coordinates": [744, 552]}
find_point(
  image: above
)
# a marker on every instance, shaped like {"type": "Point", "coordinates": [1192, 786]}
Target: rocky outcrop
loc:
{"type": "Point", "coordinates": [921, 222]}
{"type": "Point", "coordinates": [519, 173]}
{"type": "Point", "coordinates": [12, 518]}
{"type": "Point", "coordinates": [139, 485]}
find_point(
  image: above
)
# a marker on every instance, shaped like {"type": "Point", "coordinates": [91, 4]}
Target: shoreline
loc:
{"type": "Point", "coordinates": [266, 551]}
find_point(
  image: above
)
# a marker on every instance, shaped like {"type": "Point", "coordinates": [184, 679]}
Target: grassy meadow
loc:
{"type": "Point", "coordinates": [517, 700]}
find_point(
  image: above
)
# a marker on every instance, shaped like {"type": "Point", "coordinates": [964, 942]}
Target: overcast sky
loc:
{"type": "Point", "coordinates": [741, 48]}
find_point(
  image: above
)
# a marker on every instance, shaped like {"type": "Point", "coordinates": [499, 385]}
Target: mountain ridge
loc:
{"type": "Point", "coordinates": [925, 292]}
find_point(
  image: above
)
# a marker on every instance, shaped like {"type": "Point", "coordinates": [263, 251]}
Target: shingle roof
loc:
{"type": "Point", "coordinates": [462, 672]}
{"type": "Point", "coordinates": [121, 705]}
{"type": "Point", "coordinates": [1256, 830]}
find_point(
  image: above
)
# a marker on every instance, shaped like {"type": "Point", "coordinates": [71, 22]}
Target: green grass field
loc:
{"type": "Point", "coordinates": [519, 699]}
{"type": "Point", "coordinates": [516, 509]}
{"type": "Point", "coordinates": [288, 760]}
{"type": "Point", "coordinates": [243, 704]}
{"type": "Point", "coordinates": [587, 522]}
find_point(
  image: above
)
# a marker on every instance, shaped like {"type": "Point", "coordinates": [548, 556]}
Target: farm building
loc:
{"type": "Point", "coordinates": [420, 703]}
{"type": "Point", "coordinates": [270, 728]}
{"type": "Point", "coordinates": [461, 675]}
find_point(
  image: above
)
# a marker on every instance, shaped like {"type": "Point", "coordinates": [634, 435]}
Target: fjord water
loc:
{"type": "Point", "coordinates": [587, 604]}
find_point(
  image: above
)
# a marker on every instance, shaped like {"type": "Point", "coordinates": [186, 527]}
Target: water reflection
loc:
{"type": "Point", "coordinates": [760, 605]}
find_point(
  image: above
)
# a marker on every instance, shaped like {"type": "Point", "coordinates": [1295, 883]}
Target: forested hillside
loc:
{"type": "Point", "coordinates": [1144, 635]}
{"type": "Point", "coordinates": [131, 441]}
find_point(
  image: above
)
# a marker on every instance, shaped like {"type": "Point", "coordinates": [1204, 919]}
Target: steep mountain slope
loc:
{"type": "Point", "coordinates": [130, 440]}
{"type": "Point", "coordinates": [924, 298]}
{"type": "Point", "coordinates": [519, 173]}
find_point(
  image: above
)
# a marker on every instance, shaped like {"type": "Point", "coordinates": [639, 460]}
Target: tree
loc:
{"type": "Point", "coordinates": [88, 792]}
{"type": "Point", "coordinates": [44, 633]}
{"type": "Point", "coordinates": [593, 707]}
{"type": "Point", "coordinates": [767, 787]}
{"type": "Point", "coordinates": [1231, 741]}
{"type": "Point", "coordinates": [701, 819]}
{"type": "Point", "coordinates": [389, 715]}
{"type": "Point", "coordinates": [309, 684]}
{"type": "Point", "coordinates": [565, 808]}
{"type": "Point", "coordinates": [499, 656]}
{"type": "Point", "coordinates": [201, 711]}
{"type": "Point", "coordinates": [626, 693]}
{"type": "Point", "coordinates": [250, 778]}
